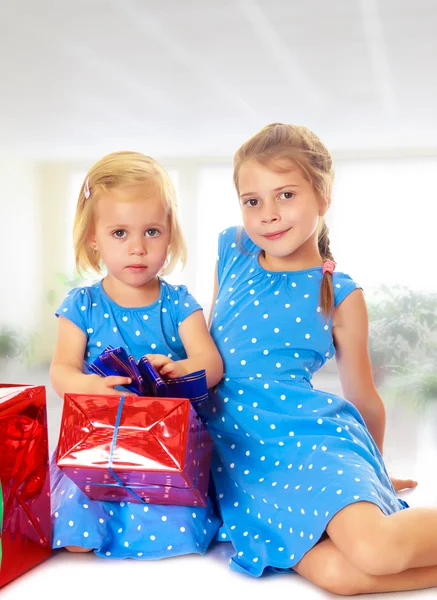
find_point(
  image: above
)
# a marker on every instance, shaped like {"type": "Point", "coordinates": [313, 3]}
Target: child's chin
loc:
{"type": "Point", "coordinates": [283, 252]}
{"type": "Point", "coordinates": [139, 282]}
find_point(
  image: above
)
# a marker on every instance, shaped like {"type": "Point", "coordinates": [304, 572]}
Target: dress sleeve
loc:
{"type": "Point", "coordinates": [227, 243]}
{"type": "Point", "coordinates": [186, 304]}
{"type": "Point", "coordinates": [343, 286]}
{"type": "Point", "coordinates": [76, 307]}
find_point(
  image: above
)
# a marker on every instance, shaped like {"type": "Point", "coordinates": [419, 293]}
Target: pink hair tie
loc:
{"type": "Point", "coordinates": [86, 189]}
{"type": "Point", "coordinates": [329, 267]}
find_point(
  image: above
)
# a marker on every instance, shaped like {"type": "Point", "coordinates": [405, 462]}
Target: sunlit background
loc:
{"type": "Point", "coordinates": [188, 82]}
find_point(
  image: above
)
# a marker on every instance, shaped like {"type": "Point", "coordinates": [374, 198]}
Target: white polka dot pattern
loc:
{"type": "Point", "coordinates": [125, 529]}
{"type": "Point", "coordinates": [152, 328]}
{"type": "Point", "coordinates": [286, 457]}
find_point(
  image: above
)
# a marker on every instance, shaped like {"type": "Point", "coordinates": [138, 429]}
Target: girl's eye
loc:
{"type": "Point", "coordinates": [119, 234]}
{"type": "Point", "coordinates": [251, 202]}
{"type": "Point", "coordinates": [286, 195]}
{"type": "Point", "coordinates": [152, 232]}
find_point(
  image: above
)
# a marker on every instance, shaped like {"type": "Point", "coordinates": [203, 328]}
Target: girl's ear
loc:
{"type": "Point", "coordinates": [324, 204]}
{"type": "Point", "coordinates": [92, 240]}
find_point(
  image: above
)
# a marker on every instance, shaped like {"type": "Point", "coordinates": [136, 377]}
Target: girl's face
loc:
{"type": "Point", "coordinates": [132, 234]}
{"type": "Point", "coordinates": [281, 213]}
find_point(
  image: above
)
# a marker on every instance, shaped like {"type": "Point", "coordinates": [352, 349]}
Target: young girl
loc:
{"type": "Point", "coordinates": [126, 220]}
{"type": "Point", "coordinates": [299, 475]}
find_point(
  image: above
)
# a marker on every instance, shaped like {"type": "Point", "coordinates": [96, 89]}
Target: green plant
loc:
{"type": "Point", "coordinates": [416, 387]}
{"type": "Point", "coordinates": [17, 345]}
{"type": "Point", "coordinates": [10, 343]}
{"type": "Point", "coordinates": [403, 341]}
{"type": "Point", "coordinates": [29, 347]}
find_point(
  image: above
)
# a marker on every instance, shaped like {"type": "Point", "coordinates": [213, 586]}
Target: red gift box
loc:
{"type": "Point", "coordinates": [26, 533]}
{"type": "Point", "coordinates": [135, 449]}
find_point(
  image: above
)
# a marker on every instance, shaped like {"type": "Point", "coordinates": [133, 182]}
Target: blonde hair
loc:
{"type": "Point", "coordinates": [280, 144]}
{"type": "Point", "coordinates": [117, 170]}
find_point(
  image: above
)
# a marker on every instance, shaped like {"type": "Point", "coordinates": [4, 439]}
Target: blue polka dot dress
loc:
{"type": "Point", "coordinates": [287, 457]}
{"type": "Point", "coordinates": [126, 529]}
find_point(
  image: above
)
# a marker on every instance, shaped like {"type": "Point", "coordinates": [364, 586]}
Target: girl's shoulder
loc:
{"type": "Point", "coordinates": [79, 305]}
{"type": "Point", "coordinates": [235, 250]}
{"type": "Point", "coordinates": [83, 296]}
{"type": "Point", "coordinates": [343, 285]}
{"type": "Point", "coordinates": [307, 282]}
{"type": "Point", "coordinates": [173, 291]}
{"type": "Point", "coordinates": [235, 237]}
{"type": "Point", "coordinates": [177, 301]}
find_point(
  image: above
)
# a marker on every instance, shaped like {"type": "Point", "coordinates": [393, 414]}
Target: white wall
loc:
{"type": "Point", "coordinates": [382, 228]}
{"type": "Point", "coordinates": [384, 217]}
{"type": "Point", "coordinates": [20, 247]}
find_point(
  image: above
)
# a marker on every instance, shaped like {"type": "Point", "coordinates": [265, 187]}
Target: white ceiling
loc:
{"type": "Point", "coordinates": [196, 77]}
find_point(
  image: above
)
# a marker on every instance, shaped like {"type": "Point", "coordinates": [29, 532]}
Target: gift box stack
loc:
{"type": "Point", "coordinates": [147, 446]}
{"type": "Point", "coordinates": [25, 524]}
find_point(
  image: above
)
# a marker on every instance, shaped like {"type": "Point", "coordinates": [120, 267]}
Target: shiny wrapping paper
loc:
{"type": "Point", "coordinates": [25, 523]}
{"type": "Point", "coordinates": [151, 449]}
{"type": "Point", "coordinates": [145, 379]}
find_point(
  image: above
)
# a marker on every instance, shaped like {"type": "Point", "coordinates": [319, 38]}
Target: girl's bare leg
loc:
{"type": "Point", "coordinates": [325, 566]}
{"type": "Point", "coordinates": [77, 549]}
{"type": "Point", "coordinates": [381, 545]}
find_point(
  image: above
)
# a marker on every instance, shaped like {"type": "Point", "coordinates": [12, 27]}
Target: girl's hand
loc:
{"type": "Point", "coordinates": [66, 370]}
{"type": "Point", "coordinates": [166, 366]}
{"type": "Point", "coordinates": [403, 484]}
{"type": "Point", "coordinates": [94, 384]}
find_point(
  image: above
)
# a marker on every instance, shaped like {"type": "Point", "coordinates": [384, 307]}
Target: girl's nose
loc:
{"type": "Point", "coordinates": [269, 213]}
{"type": "Point", "coordinates": [138, 247]}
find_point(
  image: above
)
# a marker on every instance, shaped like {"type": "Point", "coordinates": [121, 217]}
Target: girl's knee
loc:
{"type": "Point", "coordinates": [378, 555]}
{"type": "Point", "coordinates": [330, 571]}
{"type": "Point", "coordinates": [334, 578]}
{"type": "Point", "coordinates": [368, 539]}
{"type": "Point", "coordinates": [77, 549]}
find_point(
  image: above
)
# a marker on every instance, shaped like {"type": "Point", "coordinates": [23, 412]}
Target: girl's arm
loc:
{"type": "Point", "coordinates": [201, 352]}
{"type": "Point", "coordinates": [66, 370]}
{"type": "Point", "coordinates": [350, 332]}
{"type": "Point", "coordinates": [199, 346]}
